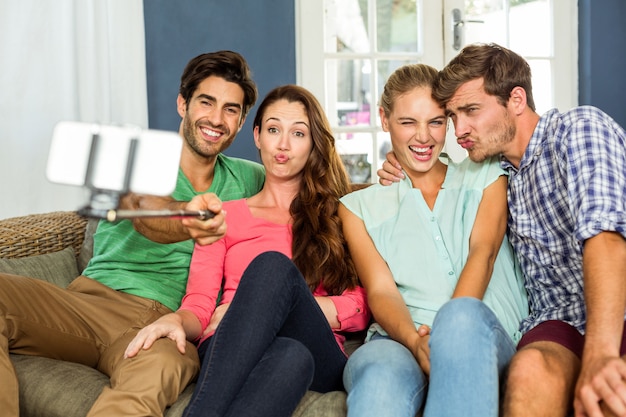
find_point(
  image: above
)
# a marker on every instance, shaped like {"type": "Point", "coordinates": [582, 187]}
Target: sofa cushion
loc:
{"type": "Point", "coordinates": [54, 388]}
{"type": "Point", "coordinates": [86, 250]}
{"type": "Point", "coordinates": [58, 267]}
{"type": "Point", "coordinates": [315, 404]}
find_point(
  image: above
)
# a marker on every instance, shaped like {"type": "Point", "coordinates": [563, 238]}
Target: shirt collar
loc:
{"type": "Point", "coordinates": [533, 150]}
{"type": "Point", "coordinates": [443, 157]}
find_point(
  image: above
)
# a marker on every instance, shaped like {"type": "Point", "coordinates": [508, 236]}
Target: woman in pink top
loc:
{"type": "Point", "coordinates": [290, 289]}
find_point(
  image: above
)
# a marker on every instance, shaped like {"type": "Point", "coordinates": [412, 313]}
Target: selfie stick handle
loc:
{"type": "Point", "coordinates": [114, 215]}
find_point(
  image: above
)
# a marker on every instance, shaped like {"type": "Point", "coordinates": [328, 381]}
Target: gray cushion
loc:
{"type": "Point", "coordinates": [86, 250]}
{"type": "Point", "coordinates": [314, 404]}
{"type": "Point", "coordinates": [58, 268]}
{"type": "Point", "coordinates": [54, 388]}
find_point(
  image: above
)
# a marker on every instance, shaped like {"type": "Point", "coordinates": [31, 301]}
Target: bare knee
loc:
{"type": "Point", "coordinates": [543, 365]}
{"type": "Point", "coordinates": [527, 367]}
{"type": "Point", "coordinates": [542, 373]}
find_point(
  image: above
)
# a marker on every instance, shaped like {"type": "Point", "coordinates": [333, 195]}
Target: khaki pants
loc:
{"type": "Point", "coordinates": [91, 324]}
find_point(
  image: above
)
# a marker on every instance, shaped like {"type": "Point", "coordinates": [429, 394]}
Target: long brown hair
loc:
{"type": "Point", "coordinates": [318, 249]}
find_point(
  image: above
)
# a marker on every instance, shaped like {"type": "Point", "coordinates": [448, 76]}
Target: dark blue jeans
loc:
{"type": "Point", "coordinates": [273, 344]}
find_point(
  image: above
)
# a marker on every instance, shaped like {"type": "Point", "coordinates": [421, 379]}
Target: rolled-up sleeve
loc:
{"type": "Point", "coordinates": [353, 313]}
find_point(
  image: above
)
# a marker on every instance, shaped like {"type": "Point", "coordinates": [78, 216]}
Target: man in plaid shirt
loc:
{"type": "Point", "coordinates": [567, 224]}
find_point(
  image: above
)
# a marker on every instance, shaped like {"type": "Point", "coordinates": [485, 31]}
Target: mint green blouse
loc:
{"type": "Point", "coordinates": [427, 250]}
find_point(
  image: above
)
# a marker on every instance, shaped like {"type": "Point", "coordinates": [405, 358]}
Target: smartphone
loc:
{"type": "Point", "coordinates": [114, 159]}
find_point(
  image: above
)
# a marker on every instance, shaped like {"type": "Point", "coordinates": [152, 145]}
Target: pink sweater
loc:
{"type": "Point", "coordinates": [247, 237]}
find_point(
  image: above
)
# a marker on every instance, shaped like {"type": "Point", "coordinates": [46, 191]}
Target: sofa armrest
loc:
{"type": "Point", "coordinates": [38, 234]}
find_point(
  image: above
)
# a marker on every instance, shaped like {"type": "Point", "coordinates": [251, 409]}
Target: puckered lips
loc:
{"type": "Point", "coordinates": [465, 143]}
{"type": "Point", "coordinates": [281, 158]}
{"type": "Point", "coordinates": [422, 153]}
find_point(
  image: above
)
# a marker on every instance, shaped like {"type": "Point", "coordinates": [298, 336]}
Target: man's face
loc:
{"type": "Point", "coordinates": [212, 117]}
{"type": "Point", "coordinates": [481, 124]}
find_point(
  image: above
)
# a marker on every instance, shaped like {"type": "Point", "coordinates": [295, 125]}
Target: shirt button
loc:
{"type": "Point", "coordinates": [451, 273]}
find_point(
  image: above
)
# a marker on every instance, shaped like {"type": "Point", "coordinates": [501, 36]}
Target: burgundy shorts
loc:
{"type": "Point", "coordinates": [562, 333]}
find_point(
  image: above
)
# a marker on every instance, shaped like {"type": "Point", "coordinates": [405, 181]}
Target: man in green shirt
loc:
{"type": "Point", "coordinates": [139, 269]}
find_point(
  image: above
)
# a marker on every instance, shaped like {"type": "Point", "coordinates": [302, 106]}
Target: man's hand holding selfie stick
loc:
{"type": "Point", "coordinates": [130, 174]}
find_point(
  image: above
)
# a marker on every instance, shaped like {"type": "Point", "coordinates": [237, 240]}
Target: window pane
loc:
{"type": "Point", "coordinates": [385, 69]}
{"type": "Point", "coordinates": [396, 24]}
{"type": "Point", "coordinates": [485, 21]}
{"type": "Point", "coordinates": [383, 142]}
{"type": "Point", "coordinates": [356, 154]}
{"type": "Point", "coordinates": [345, 26]}
{"type": "Point", "coordinates": [348, 99]}
{"type": "Point", "coordinates": [535, 42]}
{"type": "Point", "coordinates": [542, 84]}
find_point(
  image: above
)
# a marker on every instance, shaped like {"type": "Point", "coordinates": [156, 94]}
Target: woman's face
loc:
{"type": "Point", "coordinates": [417, 126]}
{"type": "Point", "coordinates": [284, 139]}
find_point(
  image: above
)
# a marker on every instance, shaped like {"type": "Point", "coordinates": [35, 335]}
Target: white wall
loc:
{"type": "Point", "coordinates": [80, 60]}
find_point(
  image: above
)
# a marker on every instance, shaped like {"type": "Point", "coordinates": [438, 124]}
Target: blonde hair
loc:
{"type": "Point", "coordinates": [405, 79]}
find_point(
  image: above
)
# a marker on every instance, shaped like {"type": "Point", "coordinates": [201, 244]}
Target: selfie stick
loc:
{"type": "Point", "coordinates": [114, 215]}
{"type": "Point", "coordinates": [103, 201]}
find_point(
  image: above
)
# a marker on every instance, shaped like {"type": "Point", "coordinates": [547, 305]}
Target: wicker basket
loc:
{"type": "Point", "coordinates": [37, 234]}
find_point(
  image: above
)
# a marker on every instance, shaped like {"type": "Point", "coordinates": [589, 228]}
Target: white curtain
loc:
{"type": "Point", "coordinates": [81, 60]}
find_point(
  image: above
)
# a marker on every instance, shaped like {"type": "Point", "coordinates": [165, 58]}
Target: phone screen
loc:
{"type": "Point", "coordinates": [114, 158]}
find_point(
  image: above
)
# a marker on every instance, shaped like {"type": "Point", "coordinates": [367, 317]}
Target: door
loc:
{"type": "Point", "coordinates": [542, 31]}
{"type": "Point", "coordinates": [346, 49]}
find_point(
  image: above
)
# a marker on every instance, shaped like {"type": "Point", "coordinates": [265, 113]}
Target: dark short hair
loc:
{"type": "Point", "coordinates": [228, 65]}
{"type": "Point", "coordinates": [501, 69]}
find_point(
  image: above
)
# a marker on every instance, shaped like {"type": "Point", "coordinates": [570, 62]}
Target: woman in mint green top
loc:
{"type": "Point", "coordinates": [426, 269]}
{"type": "Point", "coordinates": [440, 275]}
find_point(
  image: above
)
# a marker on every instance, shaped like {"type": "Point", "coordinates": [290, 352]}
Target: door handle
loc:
{"type": "Point", "coordinates": [457, 28]}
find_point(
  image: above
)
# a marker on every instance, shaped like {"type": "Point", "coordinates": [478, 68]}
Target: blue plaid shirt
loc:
{"type": "Point", "coordinates": [570, 186]}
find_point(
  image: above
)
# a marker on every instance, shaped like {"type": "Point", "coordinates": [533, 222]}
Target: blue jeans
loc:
{"type": "Point", "coordinates": [469, 352]}
{"type": "Point", "coordinates": [272, 345]}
